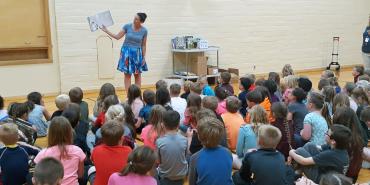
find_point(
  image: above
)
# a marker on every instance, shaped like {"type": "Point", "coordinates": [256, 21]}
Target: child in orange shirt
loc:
{"type": "Point", "coordinates": [253, 98]}
{"type": "Point", "coordinates": [266, 103]}
{"type": "Point", "coordinates": [233, 121]}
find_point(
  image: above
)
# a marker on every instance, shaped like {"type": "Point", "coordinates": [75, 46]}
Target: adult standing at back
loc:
{"type": "Point", "coordinates": [133, 50]}
{"type": "Point", "coordinates": [366, 47]}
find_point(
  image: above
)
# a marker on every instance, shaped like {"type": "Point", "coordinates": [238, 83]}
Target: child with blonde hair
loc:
{"type": "Point", "coordinates": [61, 102]}
{"type": "Point", "coordinates": [187, 86]}
{"type": "Point", "coordinates": [287, 70]}
{"type": "Point", "coordinates": [289, 82]}
{"type": "Point", "coordinates": [14, 158]}
{"type": "Point", "coordinates": [256, 164]}
{"type": "Point", "coordinates": [247, 138]}
{"type": "Point", "coordinates": [117, 113]}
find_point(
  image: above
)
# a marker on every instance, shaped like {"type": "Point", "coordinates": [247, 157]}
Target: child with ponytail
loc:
{"type": "Point", "coordinates": [139, 163]}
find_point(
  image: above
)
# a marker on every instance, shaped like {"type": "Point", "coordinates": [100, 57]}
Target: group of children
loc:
{"type": "Point", "coordinates": [272, 132]}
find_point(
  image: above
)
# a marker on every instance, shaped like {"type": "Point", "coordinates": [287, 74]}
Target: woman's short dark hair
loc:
{"type": "Point", "coordinates": [142, 16]}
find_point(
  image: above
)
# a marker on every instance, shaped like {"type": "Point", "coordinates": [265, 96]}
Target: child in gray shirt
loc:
{"type": "Point", "coordinates": [172, 149]}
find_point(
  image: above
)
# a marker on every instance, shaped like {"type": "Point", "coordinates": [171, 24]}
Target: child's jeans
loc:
{"type": "Point", "coordinates": [167, 181]}
{"type": "Point", "coordinates": [309, 150]}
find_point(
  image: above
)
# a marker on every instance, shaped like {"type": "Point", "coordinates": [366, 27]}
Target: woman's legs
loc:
{"type": "Point", "coordinates": [127, 81]}
{"type": "Point", "coordinates": [366, 60]}
{"type": "Point", "coordinates": [138, 79]}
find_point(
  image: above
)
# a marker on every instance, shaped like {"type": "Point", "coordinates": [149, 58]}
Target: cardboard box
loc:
{"type": "Point", "coordinates": [212, 70]}
{"type": "Point", "coordinates": [199, 67]}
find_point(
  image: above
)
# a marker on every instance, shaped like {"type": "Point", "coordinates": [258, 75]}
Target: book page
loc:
{"type": "Point", "coordinates": [99, 20]}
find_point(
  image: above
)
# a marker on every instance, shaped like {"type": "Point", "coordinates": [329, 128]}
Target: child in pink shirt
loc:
{"type": "Point", "coordinates": [139, 163]}
{"type": "Point", "coordinates": [60, 147]}
{"type": "Point", "coordinates": [153, 130]}
{"type": "Point", "coordinates": [221, 94]}
{"type": "Point", "coordinates": [135, 100]}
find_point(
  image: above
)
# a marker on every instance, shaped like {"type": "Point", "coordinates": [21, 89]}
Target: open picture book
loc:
{"type": "Point", "coordinates": [100, 19]}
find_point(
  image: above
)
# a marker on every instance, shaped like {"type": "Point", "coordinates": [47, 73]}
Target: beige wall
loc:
{"type": "Point", "coordinates": [19, 80]}
{"type": "Point", "coordinates": [254, 36]}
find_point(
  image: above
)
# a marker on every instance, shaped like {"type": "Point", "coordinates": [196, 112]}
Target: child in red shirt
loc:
{"type": "Point", "coordinates": [111, 156]}
{"type": "Point", "coordinates": [108, 101]}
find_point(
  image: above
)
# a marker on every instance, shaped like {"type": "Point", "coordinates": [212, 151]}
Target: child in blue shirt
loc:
{"type": "Point", "coordinates": [13, 157]}
{"type": "Point", "coordinates": [212, 165]}
{"type": "Point", "coordinates": [143, 119]}
{"type": "Point", "coordinates": [266, 165]}
{"type": "Point", "coordinates": [38, 113]}
{"type": "Point", "coordinates": [206, 89]}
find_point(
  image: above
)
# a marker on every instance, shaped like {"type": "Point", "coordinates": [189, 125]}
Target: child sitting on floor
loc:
{"type": "Point", "coordinates": [108, 101]}
{"type": "Point", "coordinates": [140, 162]}
{"type": "Point", "coordinates": [224, 82]}
{"type": "Point", "coordinates": [266, 165]}
{"type": "Point", "coordinates": [290, 82]}
{"type": "Point", "coordinates": [154, 129]}
{"type": "Point", "coordinates": [233, 121]}
{"type": "Point", "coordinates": [172, 150]}
{"type": "Point", "coordinates": [318, 160]}
{"type": "Point", "coordinates": [105, 90]}
{"type": "Point", "coordinates": [178, 104]}
{"type": "Point", "coordinates": [143, 119]}
{"type": "Point", "coordinates": [60, 147]}
{"type": "Point", "coordinates": [76, 95]}
{"type": "Point", "coordinates": [111, 156]}
{"type": "Point", "coordinates": [357, 72]}
{"type": "Point", "coordinates": [134, 99]}
{"type": "Point", "coordinates": [247, 135]}
{"type": "Point", "coordinates": [187, 86]}
{"type": "Point", "coordinates": [280, 111]}
{"type": "Point", "coordinates": [18, 114]}
{"type": "Point", "coordinates": [206, 89]}
{"type": "Point", "coordinates": [244, 85]}
{"type": "Point", "coordinates": [14, 158]}
{"type": "Point", "coordinates": [221, 94]}
{"type": "Point", "coordinates": [48, 171]}
{"type": "Point", "coordinates": [194, 104]}
{"type": "Point", "coordinates": [213, 163]}
{"type": "Point", "coordinates": [297, 111]}
{"type": "Point", "coordinates": [38, 113]}
{"type": "Point", "coordinates": [61, 102]}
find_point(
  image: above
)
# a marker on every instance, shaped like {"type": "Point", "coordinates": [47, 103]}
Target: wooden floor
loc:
{"type": "Point", "coordinates": [344, 76]}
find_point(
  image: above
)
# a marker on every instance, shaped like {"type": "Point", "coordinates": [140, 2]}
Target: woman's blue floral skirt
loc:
{"type": "Point", "coordinates": [131, 61]}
